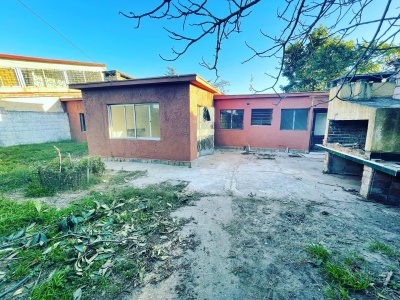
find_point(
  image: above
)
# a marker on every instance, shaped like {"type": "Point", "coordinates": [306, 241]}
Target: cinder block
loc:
{"type": "Point", "coordinates": [394, 200]}
{"type": "Point", "coordinates": [382, 176]}
{"type": "Point", "coordinates": [378, 197]}
{"type": "Point", "coordinates": [394, 192]}
{"type": "Point", "coordinates": [381, 184]}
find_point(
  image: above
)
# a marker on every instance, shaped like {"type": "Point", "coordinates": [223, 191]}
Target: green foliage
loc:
{"type": "Point", "coordinates": [124, 176]}
{"type": "Point", "coordinates": [377, 246]}
{"type": "Point", "coordinates": [106, 240]}
{"type": "Point", "coordinates": [311, 65]}
{"type": "Point", "coordinates": [346, 276]}
{"type": "Point", "coordinates": [18, 216]}
{"type": "Point", "coordinates": [53, 176]}
{"type": "Point", "coordinates": [53, 288]}
{"type": "Point", "coordinates": [18, 163]}
{"type": "Point", "coordinates": [319, 252]}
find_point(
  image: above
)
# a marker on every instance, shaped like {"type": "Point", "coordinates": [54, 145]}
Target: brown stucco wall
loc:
{"type": "Point", "coordinates": [175, 122]}
{"type": "Point", "coordinates": [198, 97]}
{"type": "Point", "coordinates": [74, 108]}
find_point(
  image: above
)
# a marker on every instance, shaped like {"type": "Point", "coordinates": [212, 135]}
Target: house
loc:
{"type": "Point", "coordinates": [36, 104]}
{"type": "Point", "coordinates": [363, 133]}
{"type": "Point", "coordinates": [293, 121]}
{"type": "Point", "coordinates": [172, 119]}
{"type": "Point", "coordinates": [165, 119]}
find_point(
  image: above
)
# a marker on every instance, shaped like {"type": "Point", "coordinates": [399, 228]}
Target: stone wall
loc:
{"type": "Point", "coordinates": [20, 127]}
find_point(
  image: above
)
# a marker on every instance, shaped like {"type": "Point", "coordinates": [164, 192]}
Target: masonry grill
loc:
{"type": "Point", "coordinates": [348, 133]}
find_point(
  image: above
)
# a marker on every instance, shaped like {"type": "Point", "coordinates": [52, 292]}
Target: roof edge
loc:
{"type": "Point", "coordinates": [274, 95]}
{"type": "Point", "coordinates": [189, 78]}
{"type": "Point", "coordinates": [49, 60]}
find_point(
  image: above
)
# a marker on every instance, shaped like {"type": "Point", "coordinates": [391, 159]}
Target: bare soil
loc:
{"type": "Point", "coordinates": [246, 234]}
{"type": "Point", "coordinates": [249, 232]}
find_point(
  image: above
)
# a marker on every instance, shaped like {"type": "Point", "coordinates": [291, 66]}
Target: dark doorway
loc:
{"type": "Point", "coordinates": [318, 127]}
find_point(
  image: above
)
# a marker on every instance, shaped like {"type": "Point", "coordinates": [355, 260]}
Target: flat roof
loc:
{"type": "Point", "coordinates": [190, 78]}
{"type": "Point", "coordinates": [274, 95]}
{"type": "Point", "coordinates": [378, 102]}
{"type": "Point", "coordinates": [48, 60]}
{"type": "Point", "coordinates": [375, 77]}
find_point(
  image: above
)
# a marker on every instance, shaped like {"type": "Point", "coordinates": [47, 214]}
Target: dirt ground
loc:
{"type": "Point", "coordinates": [248, 232]}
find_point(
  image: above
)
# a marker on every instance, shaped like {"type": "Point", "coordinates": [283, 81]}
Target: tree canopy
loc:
{"type": "Point", "coordinates": [312, 65]}
{"type": "Point", "coordinates": [299, 20]}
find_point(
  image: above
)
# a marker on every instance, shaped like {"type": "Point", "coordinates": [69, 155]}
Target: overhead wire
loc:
{"type": "Point", "coordinates": [54, 29]}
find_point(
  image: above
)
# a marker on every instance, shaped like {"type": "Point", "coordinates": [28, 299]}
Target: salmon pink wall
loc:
{"type": "Point", "coordinates": [74, 108]}
{"type": "Point", "coordinates": [266, 136]}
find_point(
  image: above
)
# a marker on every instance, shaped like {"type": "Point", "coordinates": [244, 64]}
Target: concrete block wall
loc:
{"type": "Point", "coordinates": [379, 186]}
{"type": "Point", "coordinates": [21, 127]}
{"type": "Point", "coordinates": [334, 164]}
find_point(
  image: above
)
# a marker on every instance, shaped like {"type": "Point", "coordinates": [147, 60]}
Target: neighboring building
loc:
{"type": "Point", "coordinates": [30, 93]}
{"type": "Point", "coordinates": [296, 121]}
{"type": "Point", "coordinates": [162, 118]}
{"type": "Point", "coordinates": [363, 134]}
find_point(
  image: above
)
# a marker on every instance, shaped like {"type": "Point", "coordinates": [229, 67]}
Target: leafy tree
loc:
{"type": "Point", "coordinates": [310, 66]}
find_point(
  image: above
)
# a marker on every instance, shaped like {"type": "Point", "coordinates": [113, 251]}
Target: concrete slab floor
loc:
{"type": "Point", "coordinates": [228, 172]}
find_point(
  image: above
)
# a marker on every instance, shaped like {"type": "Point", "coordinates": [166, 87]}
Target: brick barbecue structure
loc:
{"type": "Point", "coordinates": [363, 134]}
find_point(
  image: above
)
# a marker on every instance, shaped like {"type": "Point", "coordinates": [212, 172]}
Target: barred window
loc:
{"type": "Point", "coordinates": [75, 76]}
{"type": "Point", "coordinates": [261, 117]}
{"type": "Point", "coordinates": [92, 76]}
{"type": "Point", "coordinates": [231, 118]}
{"type": "Point", "coordinates": [294, 119]}
{"type": "Point", "coordinates": [8, 77]}
{"type": "Point", "coordinates": [33, 77]}
{"type": "Point", "coordinates": [54, 78]}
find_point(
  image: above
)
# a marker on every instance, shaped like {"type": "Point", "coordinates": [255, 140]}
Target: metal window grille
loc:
{"type": "Point", "coordinates": [231, 119]}
{"type": "Point", "coordinates": [261, 117]}
{"type": "Point", "coordinates": [8, 77]}
{"type": "Point", "coordinates": [33, 77]}
{"type": "Point", "coordinates": [294, 119]}
{"type": "Point", "coordinates": [93, 76]}
{"type": "Point", "coordinates": [75, 76]}
{"type": "Point", "coordinates": [54, 78]}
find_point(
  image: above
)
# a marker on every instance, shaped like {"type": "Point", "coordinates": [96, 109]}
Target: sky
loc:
{"type": "Point", "coordinates": [105, 36]}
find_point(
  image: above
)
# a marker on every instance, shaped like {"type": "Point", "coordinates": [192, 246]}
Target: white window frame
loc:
{"type": "Point", "coordinates": [110, 124]}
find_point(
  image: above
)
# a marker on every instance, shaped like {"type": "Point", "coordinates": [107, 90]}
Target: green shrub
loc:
{"type": "Point", "coordinates": [67, 175]}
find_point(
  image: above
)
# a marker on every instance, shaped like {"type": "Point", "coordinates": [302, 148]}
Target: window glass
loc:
{"type": "Point", "coordinates": [130, 121]}
{"type": "Point", "coordinates": [231, 119]}
{"type": "Point", "coordinates": [294, 119]}
{"type": "Point", "coordinates": [135, 121]}
{"type": "Point", "coordinates": [261, 117]}
{"type": "Point", "coordinates": [117, 128]}
{"type": "Point", "coordinates": [142, 121]}
{"type": "Point", "coordinates": [155, 120]}
{"type": "Point", "coordinates": [82, 121]}
{"type": "Point", "coordinates": [300, 119]}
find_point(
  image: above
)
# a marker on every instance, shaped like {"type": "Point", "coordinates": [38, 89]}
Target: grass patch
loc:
{"type": "Point", "coordinates": [318, 252]}
{"type": "Point", "coordinates": [106, 240]}
{"type": "Point", "coordinates": [344, 275]}
{"type": "Point", "coordinates": [347, 276]}
{"type": "Point", "coordinates": [123, 176]}
{"type": "Point", "coordinates": [19, 163]}
{"type": "Point", "coordinates": [377, 246]}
